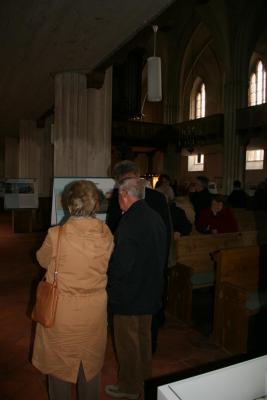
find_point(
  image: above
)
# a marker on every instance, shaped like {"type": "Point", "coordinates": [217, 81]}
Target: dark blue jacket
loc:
{"type": "Point", "coordinates": [136, 269]}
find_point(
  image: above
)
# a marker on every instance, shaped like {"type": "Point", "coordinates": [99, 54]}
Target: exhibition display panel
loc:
{"type": "Point", "coordinates": [104, 185]}
{"type": "Point", "coordinates": [243, 381]}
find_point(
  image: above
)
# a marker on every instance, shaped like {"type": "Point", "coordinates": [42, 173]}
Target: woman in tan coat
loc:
{"type": "Point", "coordinates": [72, 350]}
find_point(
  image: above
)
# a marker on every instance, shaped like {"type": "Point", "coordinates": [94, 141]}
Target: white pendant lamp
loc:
{"type": "Point", "coordinates": [154, 87]}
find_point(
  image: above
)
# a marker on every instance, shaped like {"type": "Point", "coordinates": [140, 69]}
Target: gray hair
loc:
{"type": "Point", "coordinates": [122, 168]}
{"type": "Point", "coordinates": [134, 186]}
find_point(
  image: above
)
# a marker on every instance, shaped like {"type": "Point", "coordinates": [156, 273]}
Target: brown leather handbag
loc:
{"type": "Point", "coordinates": [44, 310]}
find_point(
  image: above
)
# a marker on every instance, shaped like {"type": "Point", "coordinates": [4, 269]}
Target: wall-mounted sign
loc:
{"type": "Point", "coordinates": [20, 193]}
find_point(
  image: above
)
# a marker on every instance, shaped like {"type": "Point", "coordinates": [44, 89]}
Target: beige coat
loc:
{"type": "Point", "coordinates": [80, 328]}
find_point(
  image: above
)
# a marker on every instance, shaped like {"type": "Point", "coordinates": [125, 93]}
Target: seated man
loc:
{"type": "Point", "coordinates": [217, 218]}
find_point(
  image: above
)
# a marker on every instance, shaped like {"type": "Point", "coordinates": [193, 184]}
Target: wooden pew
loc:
{"type": "Point", "coordinates": [194, 267]}
{"type": "Point", "coordinates": [236, 300]}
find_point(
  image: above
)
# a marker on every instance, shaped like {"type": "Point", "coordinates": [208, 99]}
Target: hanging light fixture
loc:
{"type": "Point", "coordinates": [154, 87]}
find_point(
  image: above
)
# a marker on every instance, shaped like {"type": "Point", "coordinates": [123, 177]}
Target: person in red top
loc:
{"type": "Point", "coordinates": [217, 218]}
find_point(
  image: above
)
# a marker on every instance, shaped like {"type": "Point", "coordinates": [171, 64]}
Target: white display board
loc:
{"type": "Point", "coordinates": [104, 185]}
{"type": "Point", "coordinates": [242, 381]}
{"type": "Point", "coordinates": [20, 193]}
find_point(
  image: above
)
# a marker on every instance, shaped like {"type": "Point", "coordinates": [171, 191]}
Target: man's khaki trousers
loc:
{"type": "Point", "coordinates": [132, 334]}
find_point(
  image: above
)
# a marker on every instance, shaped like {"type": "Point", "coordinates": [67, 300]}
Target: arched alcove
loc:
{"type": "Point", "coordinates": [200, 61]}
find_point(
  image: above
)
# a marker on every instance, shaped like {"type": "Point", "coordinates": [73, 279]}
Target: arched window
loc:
{"type": "Point", "coordinates": [198, 100]}
{"type": "Point", "coordinates": [257, 85]}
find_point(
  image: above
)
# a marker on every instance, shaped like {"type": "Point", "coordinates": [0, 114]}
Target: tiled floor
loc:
{"type": "Point", "coordinates": [179, 347]}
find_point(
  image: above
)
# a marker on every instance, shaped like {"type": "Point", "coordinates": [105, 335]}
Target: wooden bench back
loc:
{"type": "Point", "coordinates": [239, 266]}
{"type": "Point", "coordinates": [194, 251]}
{"type": "Point", "coordinates": [237, 276]}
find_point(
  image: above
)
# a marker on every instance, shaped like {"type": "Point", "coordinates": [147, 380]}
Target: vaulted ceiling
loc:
{"type": "Point", "coordinates": [41, 38]}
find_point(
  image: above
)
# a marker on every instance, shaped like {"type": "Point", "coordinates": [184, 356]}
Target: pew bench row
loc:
{"type": "Point", "coordinates": [228, 261]}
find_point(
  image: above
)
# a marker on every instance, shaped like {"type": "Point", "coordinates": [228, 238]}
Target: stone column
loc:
{"type": "Point", "coordinates": [82, 129]}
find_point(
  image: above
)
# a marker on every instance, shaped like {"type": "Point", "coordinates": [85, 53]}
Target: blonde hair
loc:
{"type": "Point", "coordinates": [81, 198]}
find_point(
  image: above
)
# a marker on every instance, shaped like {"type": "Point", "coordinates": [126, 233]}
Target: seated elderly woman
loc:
{"type": "Point", "coordinates": [217, 218]}
{"type": "Point", "coordinates": [73, 349]}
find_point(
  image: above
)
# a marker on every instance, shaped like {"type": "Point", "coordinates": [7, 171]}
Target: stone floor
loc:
{"type": "Point", "coordinates": [179, 347]}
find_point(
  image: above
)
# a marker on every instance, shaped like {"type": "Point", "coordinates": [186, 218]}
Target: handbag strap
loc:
{"type": "Point", "coordinates": [57, 253]}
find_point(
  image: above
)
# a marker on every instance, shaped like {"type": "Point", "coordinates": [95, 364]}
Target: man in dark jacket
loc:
{"type": "Point", "coordinates": [238, 197]}
{"type": "Point", "coordinates": [135, 286]}
{"type": "Point", "coordinates": [157, 201]}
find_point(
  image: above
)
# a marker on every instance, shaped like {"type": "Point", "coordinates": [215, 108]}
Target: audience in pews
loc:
{"type": "Point", "coordinates": [200, 195]}
{"type": "Point", "coordinates": [238, 197]}
{"type": "Point", "coordinates": [217, 218]}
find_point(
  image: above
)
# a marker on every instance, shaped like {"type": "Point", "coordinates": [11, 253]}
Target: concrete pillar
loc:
{"type": "Point", "coordinates": [99, 122]}
{"type": "Point", "coordinates": [46, 160]}
{"type": "Point", "coordinates": [29, 150]}
{"type": "Point", "coordinates": [82, 129]}
{"type": "Point", "coordinates": [2, 156]}
{"type": "Point", "coordinates": [11, 156]}
{"type": "Point", "coordinates": [35, 155]}
{"type": "Point", "coordinates": [234, 150]}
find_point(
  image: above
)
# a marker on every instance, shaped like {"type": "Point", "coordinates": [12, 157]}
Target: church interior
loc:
{"type": "Point", "coordinates": [178, 87]}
